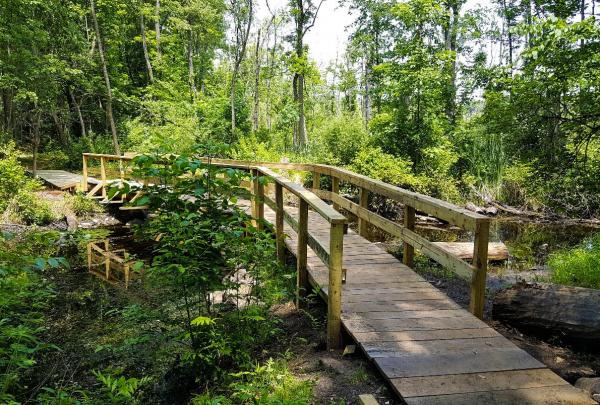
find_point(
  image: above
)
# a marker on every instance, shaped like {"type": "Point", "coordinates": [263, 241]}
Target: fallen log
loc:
{"type": "Point", "coordinates": [572, 313]}
{"type": "Point", "coordinates": [497, 251]}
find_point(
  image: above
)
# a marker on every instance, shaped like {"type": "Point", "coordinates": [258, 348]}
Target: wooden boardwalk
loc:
{"type": "Point", "coordinates": [62, 180]}
{"type": "Point", "coordinates": [429, 349]}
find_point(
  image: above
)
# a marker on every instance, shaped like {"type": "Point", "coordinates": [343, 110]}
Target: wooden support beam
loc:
{"type": "Point", "coordinates": [301, 251]}
{"type": "Point", "coordinates": [84, 182]}
{"type": "Point", "coordinates": [259, 200]}
{"type": "Point", "coordinates": [334, 293]}
{"type": "Point", "coordinates": [279, 235]}
{"type": "Point", "coordinates": [103, 176]}
{"type": "Point", "coordinates": [409, 223]}
{"type": "Point", "coordinates": [316, 181]}
{"type": "Point", "coordinates": [363, 202]}
{"type": "Point", "coordinates": [480, 262]}
{"type": "Point", "coordinates": [335, 188]}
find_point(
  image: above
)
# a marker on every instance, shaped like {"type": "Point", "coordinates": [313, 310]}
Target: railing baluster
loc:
{"type": "Point", "coordinates": [334, 292]}
{"type": "Point", "coordinates": [409, 223]}
{"type": "Point", "coordinates": [259, 201]}
{"type": "Point", "coordinates": [84, 184]}
{"type": "Point", "coordinates": [302, 274]}
{"type": "Point", "coordinates": [335, 188]}
{"type": "Point", "coordinates": [480, 256]}
{"type": "Point", "coordinates": [363, 201]}
{"type": "Point", "coordinates": [279, 223]}
{"type": "Point", "coordinates": [316, 181]}
{"type": "Point", "coordinates": [103, 176]}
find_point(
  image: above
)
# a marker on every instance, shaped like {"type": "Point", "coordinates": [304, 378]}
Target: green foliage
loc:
{"type": "Point", "coordinates": [121, 390]}
{"type": "Point", "coordinates": [375, 163]}
{"type": "Point", "coordinates": [24, 297]}
{"type": "Point", "coordinates": [13, 177]}
{"type": "Point", "coordinates": [27, 208]}
{"type": "Point", "coordinates": [81, 205]}
{"type": "Point", "coordinates": [579, 266]}
{"type": "Point", "coordinates": [270, 383]}
{"type": "Point", "coordinates": [203, 242]}
{"type": "Point", "coordinates": [337, 141]}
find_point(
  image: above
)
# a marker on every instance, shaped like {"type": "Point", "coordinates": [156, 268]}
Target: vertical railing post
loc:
{"type": "Point", "coordinates": [408, 257]}
{"type": "Point", "coordinates": [84, 184]}
{"type": "Point", "coordinates": [259, 200]}
{"type": "Point", "coordinates": [106, 260]}
{"type": "Point", "coordinates": [335, 188]}
{"type": "Point", "coordinates": [316, 181]}
{"type": "Point", "coordinates": [279, 223]}
{"type": "Point", "coordinates": [103, 175]}
{"type": "Point", "coordinates": [301, 250]}
{"type": "Point", "coordinates": [121, 177]}
{"type": "Point", "coordinates": [480, 256]}
{"type": "Point", "coordinates": [334, 292]}
{"type": "Point", "coordinates": [363, 201]}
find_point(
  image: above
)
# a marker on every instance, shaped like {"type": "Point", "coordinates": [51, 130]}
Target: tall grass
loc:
{"type": "Point", "coordinates": [579, 266]}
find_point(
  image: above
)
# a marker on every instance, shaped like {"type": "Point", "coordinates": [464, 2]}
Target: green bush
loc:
{"type": "Point", "coordinates": [579, 266]}
{"type": "Point", "coordinates": [373, 162]}
{"type": "Point", "coordinates": [27, 208]}
{"type": "Point", "coordinates": [338, 140]}
{"type": "Point", "coordinates": [13, 177]}
{"type": "Point", "coordinates": [81, 205]}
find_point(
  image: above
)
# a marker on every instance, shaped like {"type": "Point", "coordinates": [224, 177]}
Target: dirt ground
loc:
{"type": "Point", "coordinates": [339, 379]}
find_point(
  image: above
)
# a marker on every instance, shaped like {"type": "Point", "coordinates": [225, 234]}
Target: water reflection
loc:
{"type": "Point", "coordinates": [113, 265]}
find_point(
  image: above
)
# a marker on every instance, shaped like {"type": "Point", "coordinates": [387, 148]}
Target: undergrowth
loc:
{"type": "Point", "coordinates": [579, 266]}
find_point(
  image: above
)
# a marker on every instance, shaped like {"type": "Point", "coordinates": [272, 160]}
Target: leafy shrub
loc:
{"type": "Point", "coordinates": [25, 207]}
{"type": "Point", "coordinates": [270, 383]}
{"type": "Point", "coordinates": [81, 205]}
{"type": "Point", "coordinates": [338, 140]}
{"type": "Point", "coordinates": [515, 184]}
{"type": "Point", "coordinates": [579, 266]}
{"type": "Point", "coordinates": [373, 162]}
{"type": "Point", "coordinates": [24, 296]}
{"type": "Point", "coordinates": [13, 177]}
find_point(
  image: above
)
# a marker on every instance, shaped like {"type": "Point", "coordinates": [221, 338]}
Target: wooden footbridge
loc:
{"type": "Point", "coordinates": [427, 347]}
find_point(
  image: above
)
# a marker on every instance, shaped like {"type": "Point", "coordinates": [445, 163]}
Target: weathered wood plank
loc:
{"type": "Point", "coordinates": [476, 382]}
{"type": "Point", "coordinates": [558, 395]}
{"type": "Point", "coordinates": [421, 364]}
{"type": "Point", "coordinates": [386, 306]}
{"type": "Point", "coordinates": [357, 323]}
{"type": "Point", "coordinates": [435, 347]}
{"type": "Point", "coordinates": [395, 336]}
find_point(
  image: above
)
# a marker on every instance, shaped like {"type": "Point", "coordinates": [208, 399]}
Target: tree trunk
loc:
{"type": "Point", "coordinates": [256, 83]}
{"type": "Point", "coordinates": [36, 141]}
{"type": "Point", "coordinates": [191, 73]}
{"type": "Point", "coordinates": [145, 48]}
{"type": "Point", "coordinates": [572, 313]}
{"type": "Point", "coordinates": [109, 110]}
{"type": "Point", "coordinates": [232, 101]}
{"type": "Point", "coordinates": [78, 111]}
{"type": "Point", "coordinates": [157, 27]}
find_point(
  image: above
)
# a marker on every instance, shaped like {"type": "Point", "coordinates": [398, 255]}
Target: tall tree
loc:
{"type": "Point", "coordinates": [242, 14]}
{"type": "Point", "coordinates": [304, 14]}
{"type": "Point", "coordinates": [109, 95]}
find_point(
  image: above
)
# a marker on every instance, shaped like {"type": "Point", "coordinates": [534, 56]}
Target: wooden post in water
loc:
{"type": "Point", "coordinates": [84, 182]}
{"type": "Point", "coordinates": [363, 201]}
{"type": "Point", "coordinates": [335, 188]}
{"type": "Point", "coordinates": [334, 292]}
{"type": "Point", "coordinates": [409, 223]}
{"type": "Point", "coordinates": [106, 260]}
{"type": "Point", "coordinates": [279, 223]}
{"type": "Point", "coordinates": [259, 200]}
{"type": "Point", "coordinates": [103, 176]}
{"type": "Point", "coordinates": [480, 259]}
{"type": "Point", "coordinates": [316, 181]}
{"type": "Point", "coordinates": [301, 272]}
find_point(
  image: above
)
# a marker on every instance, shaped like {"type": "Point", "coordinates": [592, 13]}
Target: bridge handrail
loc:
{"type": "Point", "coordinates": [474, 273]}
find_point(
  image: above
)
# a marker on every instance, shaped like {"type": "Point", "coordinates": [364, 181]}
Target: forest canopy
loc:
{"type": "Point", "coordinates": [493, 102]}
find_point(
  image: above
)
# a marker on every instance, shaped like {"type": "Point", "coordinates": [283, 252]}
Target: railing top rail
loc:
{"type": "Point", "coordinates": [433, 206]}
{"type": "Point", "coordinates": [325, 210]}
